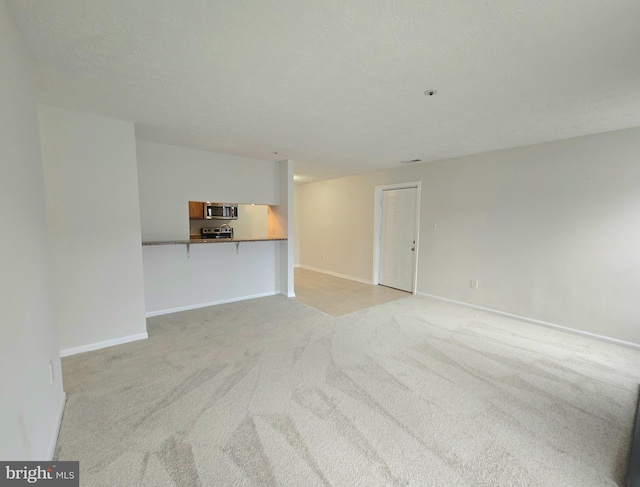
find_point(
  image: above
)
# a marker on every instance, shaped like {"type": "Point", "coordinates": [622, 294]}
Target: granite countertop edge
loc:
{"type": "Point", "coordinates": [211, 240]}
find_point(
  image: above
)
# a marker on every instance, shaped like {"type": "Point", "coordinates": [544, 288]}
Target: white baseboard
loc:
{"type": "Point", "coordinates": [290, 295]}
{"type": "Point", "coordinates": [56, 430]}
{"type": "Point", "coordinates": [98, 345]}
{"type": "Point", "coordinates": [206, 305]}
{"type": "Point", "coordinates": [533, 321]}
{"type": "Point", "coordinates": [335, 274]}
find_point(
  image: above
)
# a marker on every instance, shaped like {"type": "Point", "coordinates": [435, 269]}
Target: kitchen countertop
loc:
{"type": "Point", "coordinates": [212, 240]}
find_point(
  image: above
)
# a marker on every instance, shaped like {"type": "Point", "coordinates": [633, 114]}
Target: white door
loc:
{"type": "Point", "coordinates": [398, 238]}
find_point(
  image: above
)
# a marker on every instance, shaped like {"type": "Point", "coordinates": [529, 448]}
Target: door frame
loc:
{"type": "Point", "coordinates": [377, 230]}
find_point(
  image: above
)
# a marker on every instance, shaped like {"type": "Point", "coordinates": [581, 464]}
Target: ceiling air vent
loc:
{"type": "Point", "coordinates": [410, 161]}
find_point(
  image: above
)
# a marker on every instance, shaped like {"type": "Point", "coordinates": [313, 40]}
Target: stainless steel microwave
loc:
{"type": "Point", "coordinates": [220, 211]}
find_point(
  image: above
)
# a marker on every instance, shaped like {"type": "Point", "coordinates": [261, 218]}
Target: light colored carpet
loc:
{"type": "Point", "coordinates": [412, 392]}
{"type": "Point", "coordinates": [337, 296]}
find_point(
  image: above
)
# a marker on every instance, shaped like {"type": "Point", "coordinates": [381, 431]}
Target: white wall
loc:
{"type": "Point", "coordinates": [30, 406]}
{"type": "Point", "coordinates": [212, 274]}
{"type": "Point", "coordinates": [551, 231]}
{"type": "Point", "coordinates": [94, 227]}
{"type": "Point", "coordinates": [297, 226]}
{"type": "Point", "coordinates": [287, 248]}
{"type": "Point", "coordinates": [251, 222]}
{"type": "Point", "coordinates": [281, 224]}
{"type": "Point", "coordinates": [171, 176]}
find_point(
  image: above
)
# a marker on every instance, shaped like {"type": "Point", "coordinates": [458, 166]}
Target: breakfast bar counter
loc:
{"type": "Point", "coordinates": [212, 240]}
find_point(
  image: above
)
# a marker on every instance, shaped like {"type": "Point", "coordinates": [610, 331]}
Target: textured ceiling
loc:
{"type": "Point", "coordinates": [338, 85]}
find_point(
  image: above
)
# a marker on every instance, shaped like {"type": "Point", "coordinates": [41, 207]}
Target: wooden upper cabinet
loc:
{"type": "Point", "coordinates": [196, 210]}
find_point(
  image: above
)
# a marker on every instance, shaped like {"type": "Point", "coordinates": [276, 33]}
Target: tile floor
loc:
{"type": "Point", "coordinates": [337, 296]}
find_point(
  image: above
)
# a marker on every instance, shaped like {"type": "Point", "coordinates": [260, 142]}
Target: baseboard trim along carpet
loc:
{"type": "Point", "coordinates": [98, 345]}
{"type": "Point", "coordinates": [56, 430]}
{"type": "Point", "coordinates": [211, 303]}
{"type": "Point", "coordinates": [546, 324]}
{"type": "Point", "coordinates": [335, 274]}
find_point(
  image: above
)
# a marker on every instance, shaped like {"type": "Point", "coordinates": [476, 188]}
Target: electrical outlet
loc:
{"type": "Point", "coordinates": [435, 226]}
{"type": "Point", "coordinates": [51, 377]}
{"type": "Point", "coordinates": [474, 284]}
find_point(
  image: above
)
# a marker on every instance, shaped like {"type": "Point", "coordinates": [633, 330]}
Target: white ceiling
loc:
{"type": "Point", "coordinates": [338, 85]}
